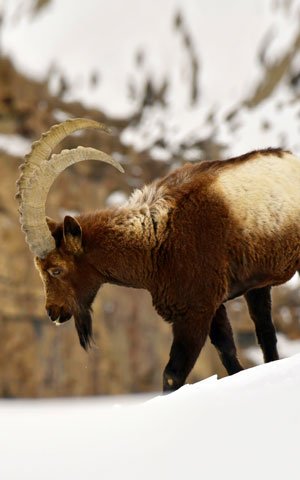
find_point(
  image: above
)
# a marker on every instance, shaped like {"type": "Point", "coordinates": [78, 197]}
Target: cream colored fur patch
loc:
{"type": "Point", "coordinates": [263, 193]}
{"type": "Point", "coordinates": [150, 203]}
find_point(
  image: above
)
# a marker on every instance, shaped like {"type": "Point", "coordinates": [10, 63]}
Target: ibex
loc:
{"type": "Point", "coordinates": [202, 235]}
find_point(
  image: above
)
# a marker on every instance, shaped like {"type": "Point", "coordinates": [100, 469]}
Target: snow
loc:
{"type": "Point", "coordinates": [244, 426]}
{"type": "Point", "coordinates": [14, 144]}
{"type": "Point", "coordinates": [107, 51]}
{"type": "Point", "coordinates": [79, 53]}
{"type": "Point", "coordinates": [116, 199]}
{"type": "Point", "coordinates": [294, 282]}
{"type": "Point", "coordinates": [286, 348]}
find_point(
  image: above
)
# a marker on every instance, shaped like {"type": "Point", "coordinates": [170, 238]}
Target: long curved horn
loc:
{"type": "Point", "coordinates": [42, 148]}
{"type": "Point", "coordinates": [38, 175]}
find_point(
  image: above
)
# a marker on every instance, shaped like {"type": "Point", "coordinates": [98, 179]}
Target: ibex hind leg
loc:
{"type": "Point", "coordinates": [259, 305]}
{"type": "Point", "coordinates": [221, 337]}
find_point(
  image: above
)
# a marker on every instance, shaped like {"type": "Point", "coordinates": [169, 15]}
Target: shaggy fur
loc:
{"type": "Point", "coordinates": [196, 238]}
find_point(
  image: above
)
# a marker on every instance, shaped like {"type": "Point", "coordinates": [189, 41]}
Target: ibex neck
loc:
{"type": "Point", "coordinates": [118, 243]}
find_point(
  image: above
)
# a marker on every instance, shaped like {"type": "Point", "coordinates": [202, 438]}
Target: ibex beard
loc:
{"type": "Point", "coordinates": [70, 283]}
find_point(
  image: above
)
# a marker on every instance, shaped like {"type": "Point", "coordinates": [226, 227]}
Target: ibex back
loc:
{"type": "Point", "coordinates": [203, 234]}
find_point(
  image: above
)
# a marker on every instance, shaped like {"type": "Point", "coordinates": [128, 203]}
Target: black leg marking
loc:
{"type": "Point", "coordinates": [222, 338]}
{"type": "Point", "coordinates": [189, 337]}
{"type": "Point", "coordinates": [259, 305]}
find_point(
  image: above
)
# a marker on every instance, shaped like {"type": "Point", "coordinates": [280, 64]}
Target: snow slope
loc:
{"type": "Point", "coordinates": [246, 426]}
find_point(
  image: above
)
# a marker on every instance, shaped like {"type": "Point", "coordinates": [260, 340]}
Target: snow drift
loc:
{"type": "Point", "coordinates": [245, 426]}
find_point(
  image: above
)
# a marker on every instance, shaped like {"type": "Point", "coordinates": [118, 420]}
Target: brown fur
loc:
{"type": "Point", "coordinates": [179, 239]}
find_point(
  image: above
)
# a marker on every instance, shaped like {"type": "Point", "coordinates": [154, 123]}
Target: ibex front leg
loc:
{"type": "Point", "coordinates": [190, 333]}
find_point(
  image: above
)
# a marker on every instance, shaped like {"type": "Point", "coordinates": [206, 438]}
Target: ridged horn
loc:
{"type": "Point", "coordinates": [42, 149]}
{"type": "Point", "coordinates": [39, 172]}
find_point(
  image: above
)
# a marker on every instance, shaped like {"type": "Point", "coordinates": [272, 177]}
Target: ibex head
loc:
{"type": "Point", "coordinates": [59, 247]}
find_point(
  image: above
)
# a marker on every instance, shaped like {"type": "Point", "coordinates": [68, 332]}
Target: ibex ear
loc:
{"type": "Point", "coordinates": [72, 235]}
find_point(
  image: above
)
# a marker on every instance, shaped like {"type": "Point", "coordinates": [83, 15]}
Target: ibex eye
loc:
{"type": "Point", "coordinates": [55, 272]}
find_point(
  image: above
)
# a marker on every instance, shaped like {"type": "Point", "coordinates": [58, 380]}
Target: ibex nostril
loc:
{"type": "Point", "coordinates": [51, 313]}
